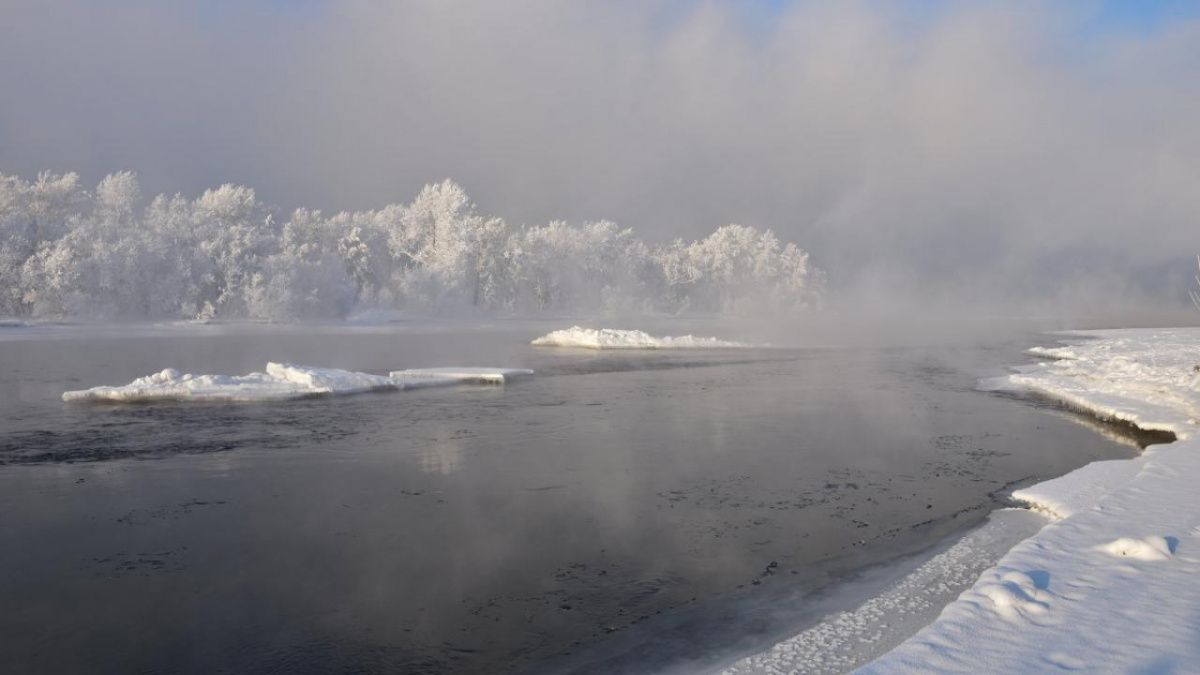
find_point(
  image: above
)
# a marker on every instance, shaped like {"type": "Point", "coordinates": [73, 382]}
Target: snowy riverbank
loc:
{"type": "Point", "coordinates": [1110, 584]}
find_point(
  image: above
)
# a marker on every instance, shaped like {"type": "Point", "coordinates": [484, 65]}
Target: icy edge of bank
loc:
{"type": "Point", "coordinates": [282, 381]}
{"type": "Point", "coordinates": [615, 338]}
{"type": "Point", "coordinates": [1111, 585]}
{"type": "Point", "coordinates": [845, 639]}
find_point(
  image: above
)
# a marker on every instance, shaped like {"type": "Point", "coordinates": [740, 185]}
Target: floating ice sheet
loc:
{"type": "Point", "coordinates": [420, 376]}
{"type": "Point", "coordinates": [283, 381]}
{"type": "Point", "coordinates": [615, 338]}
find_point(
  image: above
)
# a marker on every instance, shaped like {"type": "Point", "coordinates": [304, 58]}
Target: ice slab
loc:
{"type": "Point", "coordinates": [283, 381]}
{"type": "Point", "coordinates": [615, 338]}
{"type": "Point", "coordinates": [471, 375]}
{"type": "Point", "coordinates": [279, 381]}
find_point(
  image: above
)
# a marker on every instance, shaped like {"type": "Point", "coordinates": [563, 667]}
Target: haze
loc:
{"type": "Point", "coordinates": [1014, 156]}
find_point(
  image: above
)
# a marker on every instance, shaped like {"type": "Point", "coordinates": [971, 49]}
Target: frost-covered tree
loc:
{"type": "Point", "coordinates": [65, 251]}
{"type": "Point", "coordinates": [236, 234]}
{"type": "Point", "coordinates": [184, 273]}
{"type": "Point", "coordinates": [92, 269]}
{"type": "Point", "coordinates": [442, 246]}
{"type": "Point", "coordinates": [738, 268]}
{"type": "Point", "coordinates": [597, 266]}
{"type": "Point", "coordinates": [363, 247]}
{"type": "Point", "coordinates": [306, 277]}
{"type": "Point", "coordinates": [32, 214]}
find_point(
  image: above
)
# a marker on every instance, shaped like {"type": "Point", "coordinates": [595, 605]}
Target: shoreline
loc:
{"type": "Point", "coordinates": [1004, 593]}
{"type": "Point", "coordinates": [964, 555]}
{"type": "Point", "coordinates": [1105, 584]}
{"type": "Point", "coordinates": [927, 581]}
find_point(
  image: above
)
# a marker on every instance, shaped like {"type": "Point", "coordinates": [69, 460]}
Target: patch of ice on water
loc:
{"type": "Point", "coordinates": [615, 338]}
{"type": "Point", "coordinates": [480, 375]}
{"type": "Point", "coordinates": [283, 381]}
{"type": "Point", "coordinates": [279, 381]}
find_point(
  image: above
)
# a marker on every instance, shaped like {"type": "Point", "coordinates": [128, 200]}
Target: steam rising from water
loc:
{"type": "Point", "coordinates": [988, 155]}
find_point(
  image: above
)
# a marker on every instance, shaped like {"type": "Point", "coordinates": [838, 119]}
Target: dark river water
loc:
{"type": "Point", "coordinates": [517, 528]}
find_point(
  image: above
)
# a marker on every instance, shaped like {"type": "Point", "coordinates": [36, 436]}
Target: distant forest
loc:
{"type": "Point", "coordinates": [66, 251]}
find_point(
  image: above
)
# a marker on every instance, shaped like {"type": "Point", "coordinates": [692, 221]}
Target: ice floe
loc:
{"type": "Point", "coordinates": [419, 376]}
{"type": "Point", "coordinates": [615, 338]}
{"type": "Point", "coordinates": [282, 381]}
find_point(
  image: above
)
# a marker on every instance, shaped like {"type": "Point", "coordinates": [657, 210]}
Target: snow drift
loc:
{"type": "Point", "coordinates": [614, 338]}
{"type": "Point", "coordinates": [283, 381]}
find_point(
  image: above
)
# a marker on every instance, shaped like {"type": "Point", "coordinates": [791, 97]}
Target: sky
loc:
{"type": "Point", "coordinates": [1029, 156]}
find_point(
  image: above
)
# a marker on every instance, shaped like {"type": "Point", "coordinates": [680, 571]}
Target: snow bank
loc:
{"type": "Point", "coordinates": [1112, 585]}
{"type": "Point", "coordinates": [614, 338]}
{"type": "Point", "coordinates": [283, 381]}
{"type": "Point", "coordinates": [1079, 490]}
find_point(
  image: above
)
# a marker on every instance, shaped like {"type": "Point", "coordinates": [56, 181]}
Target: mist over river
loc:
{"type": "Point", "coordinates": [564, 520]}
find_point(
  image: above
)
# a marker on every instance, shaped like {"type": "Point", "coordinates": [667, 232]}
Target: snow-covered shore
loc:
{"type": "Point", "coordinates": [1110, 585]}
{"type": "Point", "coordinates": [283, 381]}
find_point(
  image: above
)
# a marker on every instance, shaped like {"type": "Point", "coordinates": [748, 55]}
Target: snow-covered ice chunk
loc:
{"type": "Point", "coordinates": [328, 380]}
{"type": "Point", "coordinates": [615, 338]}
{"type": "Point", "coordinates": [284, 381]}
{"type": "Point", "coordinates": [474, 375]}
{"type": "Point", "coordinates": [280, 381]}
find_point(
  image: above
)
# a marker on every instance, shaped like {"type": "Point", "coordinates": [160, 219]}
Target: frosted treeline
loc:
{"type": "Point", "coordinates": [104, 253]}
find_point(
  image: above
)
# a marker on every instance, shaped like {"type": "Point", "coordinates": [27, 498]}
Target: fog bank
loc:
{"type": "Point", "coordinates": [1008, 157]}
